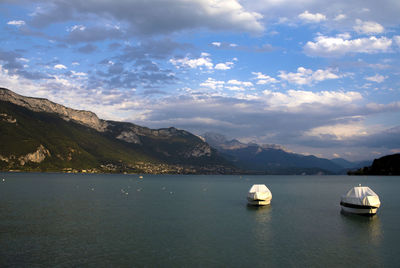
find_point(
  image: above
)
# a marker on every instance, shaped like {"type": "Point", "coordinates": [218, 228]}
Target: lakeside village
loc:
{"type": "Point", "coordinates": [149, 168]}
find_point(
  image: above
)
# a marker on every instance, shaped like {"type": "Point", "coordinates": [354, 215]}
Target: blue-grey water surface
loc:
{"type": "Point", "coordinates": [70, 220]}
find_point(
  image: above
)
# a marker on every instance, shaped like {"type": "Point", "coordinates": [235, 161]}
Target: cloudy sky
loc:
{"type": "Point", "coordinates": [318, 77]}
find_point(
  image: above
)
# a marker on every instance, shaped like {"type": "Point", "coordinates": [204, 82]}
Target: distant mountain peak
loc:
{"type": "Point", "coordinates": [220, 141]}
{"type": "Point", "coordinates": [213, 137]}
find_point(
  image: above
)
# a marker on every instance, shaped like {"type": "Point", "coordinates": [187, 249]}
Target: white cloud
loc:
{"type": "Point", "coordinates": [307, 76]}
{"type": "Point", "coordinates": [339, 131]}
{"type": "Point", "coordinates": [376, 78]}
{"type": "Point", "coordinates": [264, 79]}
{"type": "Point", "coordinates": [17, 23]}
{"type": "Point", "coordinates": [235, 88]}
{"type": "Point", "coordinates": [335, 46]}
{"type": "Point", "coordinates": [213, 84]}
{"type": "Point", "coordinates": [310, 17]}
{"type": "Point", "coordinates": [233, 84]}
{"type": "Point", "coordinates": [203, 62]}
{"type": "Point", "coordinates": [297, 98]}
{"type": "Point", "coordinates": [60, 67]}
{"type": "Point", "coordinates": [240, 83]}
{"type": "Point", "coordinates": [224, 66]}
{"type": "Point", "coordinates": [368, 27]}
{"type": "Point", "coordinates": [217, 44]}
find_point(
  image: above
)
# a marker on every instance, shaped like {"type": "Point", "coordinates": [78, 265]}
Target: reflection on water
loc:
{"type": "Point", "coordinates": [261, 225]}
{"type": "Point", "coordinates": [262, 213]}
{"type": "Point", "coordinates": [367, 231]}
{"type": "Point", "coordinates": [369, 225]}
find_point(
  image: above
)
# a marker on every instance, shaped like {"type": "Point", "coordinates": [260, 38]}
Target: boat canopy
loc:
{"type": "Point", "coordinates": [259, 188]}
{"type": "Point", "coordinates": [361, 195]}
{"type": "Point", "coordinates": [259, 192]}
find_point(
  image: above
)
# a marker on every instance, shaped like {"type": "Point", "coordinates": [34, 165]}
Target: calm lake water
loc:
{"type": "Point", "coordinates": [67, 220]}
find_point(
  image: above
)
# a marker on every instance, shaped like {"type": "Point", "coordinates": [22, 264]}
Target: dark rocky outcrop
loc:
{"type": "Point", "coordinates": [387, 165]}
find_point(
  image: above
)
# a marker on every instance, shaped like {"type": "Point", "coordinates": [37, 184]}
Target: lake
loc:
{"type": "Point", "coordinates": [82, 220]}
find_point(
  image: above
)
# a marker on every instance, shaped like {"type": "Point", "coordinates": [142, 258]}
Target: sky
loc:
{"type": "Point", "coordinates": [317, 77]}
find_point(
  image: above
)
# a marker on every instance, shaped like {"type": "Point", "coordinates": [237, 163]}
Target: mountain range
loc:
{"type": "Point", "coordinates": [275, 159]}
{"type": "Point", "coordinates": [39, 135]}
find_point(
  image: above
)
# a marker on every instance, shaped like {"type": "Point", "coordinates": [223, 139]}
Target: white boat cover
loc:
{"type": "Point", "coordinates": [259, 192]}
{"type": "Point", "coordinates": [362, 195]}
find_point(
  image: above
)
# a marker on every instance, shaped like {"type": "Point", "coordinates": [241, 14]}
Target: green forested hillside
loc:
{"type": "Point", "coordinates": [69, 146]}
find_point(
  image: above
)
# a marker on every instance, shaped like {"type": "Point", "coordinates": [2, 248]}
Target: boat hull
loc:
{"type": "Point", "coordinates": [258, 202]}
{"type": "Point", "coordinates": [358, 209]}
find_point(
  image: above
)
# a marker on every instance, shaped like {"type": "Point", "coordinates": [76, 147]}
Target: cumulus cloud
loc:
{"type": "Point", "coordinates": [167, 16]}
{"type": "Point", "coordinates": [233, 84]}
{"type": "Point", "coordinates": [376, 78]}
{"type": "Point", "coordinates": [224, 66]}
{"type": "Point", "coordinates": [336, 46]}
{"type": "Point", "coordinates": [310, 17]}
{"type": "Point", "coordinates": [203, 62]}
{"type": "Point", "coordinates": [339, 131]}
{"type": "Point", "coordinates": [307, 76]}
{"type": "Point", "coordinates": [368, 27]}
{"type": "Point", "coordinates": [385, 11]}
{"type": "Point", "coordinates": [298, 98]}
{"type": "Point", "coordinates": [240, 83]}
{"type": "Point", "coordinates": [212, 83]}
{"type": "Point", "coordinates": [264, 79]}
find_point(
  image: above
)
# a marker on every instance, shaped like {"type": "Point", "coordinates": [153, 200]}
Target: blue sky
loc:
{"type": "Point", "coordinates": [317, 77]}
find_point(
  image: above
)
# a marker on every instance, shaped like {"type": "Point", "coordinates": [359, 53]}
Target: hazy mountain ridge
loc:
{"type": "Point", "coordinates": [274, 159]}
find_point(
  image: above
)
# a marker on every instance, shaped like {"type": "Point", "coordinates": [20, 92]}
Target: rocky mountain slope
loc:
{"type": "Point", "coordinates": [43, 105]}
{"type": "Point", "coordinates": [39, 135]}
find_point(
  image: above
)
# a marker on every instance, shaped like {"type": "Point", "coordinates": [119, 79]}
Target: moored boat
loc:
{"type": "Point", "coordinates": [259, 195]}
{"type": "Point", "coordinates": [360, 200]}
